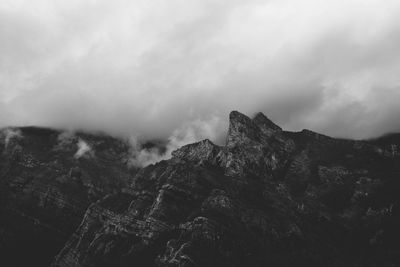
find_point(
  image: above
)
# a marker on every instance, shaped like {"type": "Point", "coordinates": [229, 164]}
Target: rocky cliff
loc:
{"type": "Point", "coordinates": [268, 197]}
{"type": "Point", "coordinates": [48, 179]}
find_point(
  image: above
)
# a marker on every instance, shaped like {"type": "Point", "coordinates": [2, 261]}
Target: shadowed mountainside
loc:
{"type": "Point", "coordinates": [47, 181]}
{"type": "Point", "coordinates": [266, 198]}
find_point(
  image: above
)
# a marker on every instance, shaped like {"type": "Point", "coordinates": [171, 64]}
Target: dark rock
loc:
{"type": "Point", "coordinates": [44, 192]}
{"type": "Point", "coordinates": [267, 198]}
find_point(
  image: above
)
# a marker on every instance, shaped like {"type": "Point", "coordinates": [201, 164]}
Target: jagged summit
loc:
{"type": "Point", "coordinates": [242, 129]}
{"type": "Point", "coordinates": [267, 198]}
{"type": "Point", "coordinates": [265, 123]}
{"type": "Point", "coordinates": [200, 151]}
{"type": "Point", "coordinates": [259, 119]}
{"type": "Point", "coordinates": [235, 116]}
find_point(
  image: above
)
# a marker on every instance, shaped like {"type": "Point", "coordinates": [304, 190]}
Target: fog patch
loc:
{"type": "Point", "coordinates": [141, 157]}
{"type": "Point", "coordinates": [9, 134]}
{"type": "Point", "coordinates": [66, 138]}
{"type": "Point", "coordinates": [84, 150]}
{"type": "Point", "coordinates": [189, 133]}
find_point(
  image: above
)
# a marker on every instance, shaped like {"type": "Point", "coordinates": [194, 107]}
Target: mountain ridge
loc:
{"type": "Point", "coordinates": [266, 197]}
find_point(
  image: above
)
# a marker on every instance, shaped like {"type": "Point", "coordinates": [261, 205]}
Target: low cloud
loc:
{"type": "Point", "coordinates": [141, 157]}
{"type": "Point", "coordinates": [84, 149]}
{"type": "Point", "coordinates": [149, 69]}
{"type": "Point", "coordinates": [66, 138]}
{"type": "Point", "coordinates": [9, 134]}
{"type": "Point", "coordinates": [188, 133]}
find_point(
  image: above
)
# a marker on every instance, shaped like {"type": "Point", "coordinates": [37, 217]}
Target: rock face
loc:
{"type": "Point", "coordinates": [266, 198]}
{"type": "Point", "coordinates": [45, 189]}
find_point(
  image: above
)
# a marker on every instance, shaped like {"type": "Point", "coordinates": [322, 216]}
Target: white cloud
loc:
{"type": "Point", "coordinates": [84, 149]}
{"type": "Point", "coordinates": [8, 134]}
{"type": "Point", "coordinates": [148, 68]}
{"type": "Point", "coordinates": [188, 133]}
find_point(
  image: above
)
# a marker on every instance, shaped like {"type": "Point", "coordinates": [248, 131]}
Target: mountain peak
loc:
{"type": "Point", "coordinates": [280, 195]}
{"type": "Point", "coordinates": [203, 150]}
{"type": "Point", "coordinates": [237, 117]}
{"type": "Point", "coordinates": [241, 128]}
{"type": "Point", "coordinates": [265, 123]}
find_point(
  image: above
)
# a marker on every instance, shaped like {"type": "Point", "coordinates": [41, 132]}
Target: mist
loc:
{"type": "Point", "coordinates": [173, 70]}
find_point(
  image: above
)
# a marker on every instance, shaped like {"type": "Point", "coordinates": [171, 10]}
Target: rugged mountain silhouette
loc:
{"type": "Point", "coordinates": [268, 197]}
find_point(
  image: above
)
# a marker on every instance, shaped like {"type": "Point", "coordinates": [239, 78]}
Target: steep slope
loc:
{"type": "Point", "coordinates": [48, 179]}
{"type": "Point", "coordinates": [267, 198]}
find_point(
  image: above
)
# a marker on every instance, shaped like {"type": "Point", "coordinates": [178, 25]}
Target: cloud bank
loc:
{"type": "Point", "coordinates": [159, 69]}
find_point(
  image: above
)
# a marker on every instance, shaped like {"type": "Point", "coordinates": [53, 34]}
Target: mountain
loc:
{"type": "Point", "coordinates": [268, 197]}
{"type": "Point", "coordinates": [46, 187]}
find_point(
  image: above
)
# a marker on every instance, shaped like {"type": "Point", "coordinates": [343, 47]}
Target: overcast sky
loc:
{"type": "Point", "coordinates": [162, 68]}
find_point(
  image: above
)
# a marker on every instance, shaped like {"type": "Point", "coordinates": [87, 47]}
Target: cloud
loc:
{"type": "Point", "coordinates": [9, 134]}
{"type": "Point", "coordinates": [140, 157]}
{"type": "Point", "coordinates": [188, 133]}
{"type": "Point", "coordinates": [84, 149]}
{"type": "Point", "coordinates": [149, 69]}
